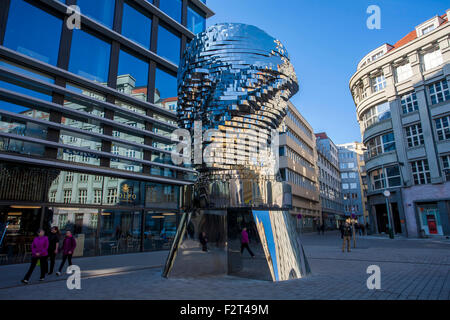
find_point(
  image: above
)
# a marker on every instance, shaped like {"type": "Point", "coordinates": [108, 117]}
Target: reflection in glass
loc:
{"type": "Point", "coordinates": [26, 71]}
{"type": "Point", "coordinates": [30, 41]}
{"type": "Point", "coordinates": [133, 76]}
{"type": "Point", "coordinates": [120, 231]}
{"type": "Point", "coordinates": [169, 45]}
{"type": "Point", "coordinates": [89, 56]}
{"type": "Point", "coordinates": [136, 26]}
{"type": "Point", "coordinates": [196, 22]}
{"type": "Point", "coordinates": [165, 90]}
{"type": "Point", "coordinates": [99, 10]}
{"type": "Point", "coordinates": [172, 8]}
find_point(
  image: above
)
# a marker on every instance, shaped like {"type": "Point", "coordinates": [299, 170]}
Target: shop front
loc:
{"type": "Point", "coordinates": [107, 215]}
{"type": "Point", "coordinates": [430, 219]}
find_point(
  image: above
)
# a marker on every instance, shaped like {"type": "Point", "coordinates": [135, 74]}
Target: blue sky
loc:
{"type": "Point", "coordinates": [326, 39]}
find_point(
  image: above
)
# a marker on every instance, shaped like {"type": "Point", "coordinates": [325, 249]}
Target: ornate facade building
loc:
{"type": "Point", "coordinates": [402, 96]}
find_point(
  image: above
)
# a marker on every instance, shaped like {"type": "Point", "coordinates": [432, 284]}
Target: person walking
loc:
{"type": "Point", "coordinates": [204, 241]}
{"type": "Point", "coordinates": [347, 236]}
{"type": "Point", "coordinates": [322, 228]}
{"type": "Point", "coordinates": [245, 241]}
{"type": "Point", "coordinates": [39, 252]}
{"type": "Point", "coordinates": [53, 246]}
{"type": "Point", "coordinates": [69, 245]}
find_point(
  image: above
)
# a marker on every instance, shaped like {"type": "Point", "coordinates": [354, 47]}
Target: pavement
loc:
{"type": "Point", "coordinates": [410, 270]}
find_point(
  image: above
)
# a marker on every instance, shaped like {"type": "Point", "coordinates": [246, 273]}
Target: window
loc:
{"type": "Point", "coordinates": [112, 196]}
{"type": "Point", "coordinates": [67, 196]}
{"type": "Point", "coordinates": [99, 10]}
{"type": "Point", "coordinates": [165, 86]}
{"type": "Point", "coordinates": [439, 92]}
{"type": "Point", "coordinates": [421, 172]}
{"type": "Point", "coordinates": [409, 103]}
{"type": "Point", "coordinates": [446, 167]}
{"type": "Point", "coordinates": [377, 113]}
{"type": "Point", "coordinates": [378, 177]}
{"type": "Point", "coordinates": [443, 128]}
{"type": "Point", "coordinates": [352, 185]}
{"type": "Point", "coordinates": [352, 175]}
{"type": "Point", "coordinates": [403, 72]}
{"type": "Point", "coordinates": [428, 29]}
{"type": "Point", "coordinates": [84, 177]}
{"type": "Point", "coordinates": [62, 221]}
{"type": "Point", "coordinates": [414, 135]}
{"type": "Point", "coordinates": [19, 36]}
{"type": "Point", "coordinates": [196, 22]}
{"type": "Point", "coordinates": [89, 56]}
{"type": "Point", "coordinates": [172, 8]}
{"type": "Point", "coordinates": [380, 144]}
{"type": "Point", "coordinates": [169, 45]}
{"type": "Point", "coordinates": [132, 75]}
{"type": "Point", "coordinates": [345, 186]}
{"type": "Point", "coordinates": [378, 83]}
{"type": "Point", "coordinates": [351, 165]}
{"type": "Point", "coordinates": [52, 197]}
{"type": "Point", "coordinates": [136, 26]}
{"type": "Point", "coordinates": [82, 196]}
{"type": "Point", "coordinates": [344, 175]}
{"type": "Point", "coordinates": [97, 196]}
{"type": "Point", "coordinates": [69, 177]}
{"type": "Point", "coordinates": [432, 59]}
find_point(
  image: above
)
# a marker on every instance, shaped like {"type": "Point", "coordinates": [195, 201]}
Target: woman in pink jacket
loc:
{"type": "Point", "coordinates": [39, 251]}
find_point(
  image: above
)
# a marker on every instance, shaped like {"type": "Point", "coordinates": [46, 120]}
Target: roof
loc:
{"type": "Point", "coordinates": [321, 135]}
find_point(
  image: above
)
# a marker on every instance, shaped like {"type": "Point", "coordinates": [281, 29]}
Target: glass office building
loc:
{"type": "Point", "coordinates": [85, 121]}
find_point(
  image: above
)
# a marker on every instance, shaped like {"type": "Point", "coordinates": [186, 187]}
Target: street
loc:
{"type": "Point", "coordinates": [410, 269]}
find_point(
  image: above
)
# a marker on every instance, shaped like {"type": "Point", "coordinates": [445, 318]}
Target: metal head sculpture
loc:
{"type": "Point", "coordinates": [235, 79]}
{"type": "Point", "coordinates": [234, 83]}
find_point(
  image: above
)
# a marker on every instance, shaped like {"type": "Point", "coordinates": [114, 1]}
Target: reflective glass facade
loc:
{"type": "Point", "coordinates": [85, 123]}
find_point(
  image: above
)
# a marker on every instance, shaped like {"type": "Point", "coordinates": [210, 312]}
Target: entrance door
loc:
{"type": "Point", "coordinates": [430, 218]}
{"type": "Point", "coordinates": [382, 219]}
{"type": "Point", "coordinates": [431, 221]}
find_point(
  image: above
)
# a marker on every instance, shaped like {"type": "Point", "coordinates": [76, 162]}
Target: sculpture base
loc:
{"type": "Point", "coordinates": [274, 242]}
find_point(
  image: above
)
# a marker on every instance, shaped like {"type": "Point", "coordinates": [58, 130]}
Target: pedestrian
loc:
{"type": "Point", "coordinates": [322, 228]}
{"type": "Point", "coordinates": [363, 229]}
{"type": "Point", "coordinates": [53, 246]}
{"type": "Point", "coordinates": [318, 229]}
{"type": "Point", "coordinates": [347, 236]}
{"type": "Point", "coordinates": [245, 241]}
{"type": "Point", "coordinates": [360, 229]}
{"type": "Point", "coordinates": [69, 245]}
{"type": "Point", "coordinates": [39, 252]}
{"type": "Point", "coordinates": [204, 241]}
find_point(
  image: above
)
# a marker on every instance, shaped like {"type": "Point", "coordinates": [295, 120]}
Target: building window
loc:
{"type": "Point", "coordinates": [136, 26]}
{"type": "Point", "coordinates": [376, 114]}
{"type": "Point", "coordinates": [52, 197]}
{"type": "Point", "coordinates": [132, 75]}
{"type": "Point", "coordinates": [432, 59]}
{"type": "Point", "coordinates": [352, 185]}
{"type": "Point", "coordinates": [414, 135]}
{"type": "Point", "coordinates": [196, 22]}
{"type": "Point", "coordinates": [115, 150]}
{"type": "Point", "coordinates": [352, 175]}
{"type": "Point", "coordinates": [82, 196]}
{"type": "Point", "coordinates": [387, 177]}
{"type": "Point", "coordinates": [439, 92]}
{"type": "Point", "coordinates": [443, 128]}
{"type": "Point", "coordinates": [169, 45]}
{"type": "Point", "coordinates": [378, 83]}
{"type": "Point", "coordinates": [99, 10]}
{"type": "Point", "coordinates": [67, 196]}
{"type": "Point", "coordinates": [84, 177]}
{"type": "Point", "coordinates": [380, 144]}
{"type": "Point", "coordinates": [69, 177]}
{"type": "Point", "coordinates": [428, 29]}
{"type": "Point", "coordinates": [97, 196]}
{"type": "Point", "coordinates": [25, 28]}
{"type": "Point", "coordinates": [62, 221]}
{"type": "Point", "coordinates": [446, 167]}
{"type": "Point", "coordinates": [345, 186]}
{"type": "Point", "coordinates": [172, 8]}
{"type": "Point", "coordinates": [344, 175]}
{"type": "Point", "coordinates": [403, 72]}
{"type": "Point", "coordinates": [409, 103]}
{"type": "Point", "coordinates": [131, 153]}
{"type": "Point", "coordinates": [89, 56]}
{"type": "Point", "coordinates": [112, 196]}
{"type": "Point", "coordinates": [421, 172]}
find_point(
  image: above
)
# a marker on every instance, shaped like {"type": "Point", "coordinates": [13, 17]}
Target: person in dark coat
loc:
{"type": "Point", "coordinates": [347, 236]}
{"type": "Point", "coordinates": [68, 247]}
{"type": "Point", "coordinates": [204, 241]}
{"type": "Point", "coordinates": [53, 246]}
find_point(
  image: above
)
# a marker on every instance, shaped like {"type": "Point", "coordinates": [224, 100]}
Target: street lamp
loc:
{"type": "Point", "coordinates": [387, 194]}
